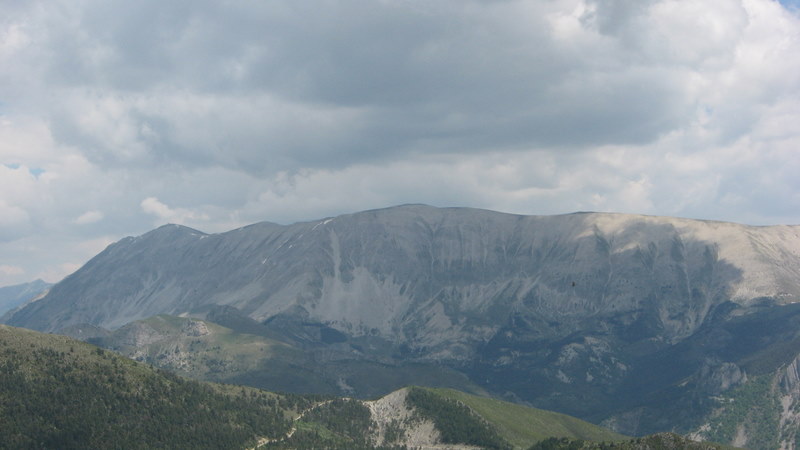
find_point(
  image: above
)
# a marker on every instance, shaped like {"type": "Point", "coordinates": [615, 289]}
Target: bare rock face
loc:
{"type": "Point", "coordinates": [717, 376]}
{"type": "Point", "coordinates": [195, 328]}
{"type": "Point", "coordinates": [397, 425]}
{"type": "Point", "coordinates": [432, 276]}
{"type": "Point", "coordinates": [790, 381]}
{"type": "Point", "coordinates": [140, 335]}
{"type": "Point", "coordinates": [789, 395]}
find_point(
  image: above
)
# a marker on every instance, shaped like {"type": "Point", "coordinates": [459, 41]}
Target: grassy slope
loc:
{"type": "Point", "coordinates": [224, 355]}
{"type": "Point", "coordinates": [523, 426]}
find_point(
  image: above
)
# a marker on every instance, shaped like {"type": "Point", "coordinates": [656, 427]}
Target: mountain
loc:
{"type": "Point", "coordinates": [14, 296]}
{"type": "Point", "coordinates": [392, 271]}
{"type": "Point", "coordinates": [638, 322]}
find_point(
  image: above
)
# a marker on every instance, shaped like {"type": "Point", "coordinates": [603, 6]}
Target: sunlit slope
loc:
{"type": "Point", "coordinates": [523, 426]}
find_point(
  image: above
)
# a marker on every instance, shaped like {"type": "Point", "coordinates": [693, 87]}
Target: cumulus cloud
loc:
{"type": "Point", "coordinates": [164, 213]}
{"type": "Point", "coordinates": [89, 217]}
{"type": "Point", "coordinates": [118, 116]}
{"type": "Point", "coordinates": [308, 91]}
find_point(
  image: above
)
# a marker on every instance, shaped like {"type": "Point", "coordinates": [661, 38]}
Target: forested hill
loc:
{"type": "Point", "coordinates": [56, 392]}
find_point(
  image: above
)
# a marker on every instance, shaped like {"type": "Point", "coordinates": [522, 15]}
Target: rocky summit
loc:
{"type": "Point", "coordinates": [599, 315]}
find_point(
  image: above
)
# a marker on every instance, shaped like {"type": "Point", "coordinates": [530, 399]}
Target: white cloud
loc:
{"type": "Point", "coordinates": [89, 217]}
{"type": "Point", "coordinates": [164, 213]}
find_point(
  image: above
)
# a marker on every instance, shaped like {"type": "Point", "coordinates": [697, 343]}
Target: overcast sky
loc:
{"type": "Point", "coordinates": [119, 116]}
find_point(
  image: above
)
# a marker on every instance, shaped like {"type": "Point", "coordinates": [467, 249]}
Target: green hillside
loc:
{"type": "Point", "coordinates": [523, 426]}
{"type": "Point", "coordinates": [204, 350]}
{"type": "Point", "coordinates": [56, 392]}
{"type": "Point", "coordinates": [494, 424]}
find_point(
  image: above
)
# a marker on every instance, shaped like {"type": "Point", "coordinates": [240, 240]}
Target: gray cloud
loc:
{"type": "Point", "coordinates": [117, 116]}
{"type": "Point", "coordinates": [320, 84]}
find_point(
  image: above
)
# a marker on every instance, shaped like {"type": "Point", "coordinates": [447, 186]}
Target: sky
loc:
{"type": "Point", "coordinates": [117, 116]}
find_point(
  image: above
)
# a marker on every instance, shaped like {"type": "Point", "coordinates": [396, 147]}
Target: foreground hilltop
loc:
{"type": "Point", "coordinates": [56, 392]}
{"type": "Point", "coordinates": [639, 322]}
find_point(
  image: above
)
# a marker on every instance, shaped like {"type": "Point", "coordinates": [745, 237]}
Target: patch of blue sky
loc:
{"type": "Point", "coordinates": [35, 171]}
{"type": "Point", "coordinates": [792, 5]}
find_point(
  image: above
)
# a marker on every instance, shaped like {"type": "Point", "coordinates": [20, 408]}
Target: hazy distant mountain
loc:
{"type": "Point", "coordinates": [13, 296]}
{"type": "Point", "coordinates": [634, 320]}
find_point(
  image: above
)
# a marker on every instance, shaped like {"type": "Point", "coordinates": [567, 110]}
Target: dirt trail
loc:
{"type": "Point", "coordinates": [264, 441]}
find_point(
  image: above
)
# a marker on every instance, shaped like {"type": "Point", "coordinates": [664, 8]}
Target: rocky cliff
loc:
{"type": "Point", "coordinates": [426, 275]}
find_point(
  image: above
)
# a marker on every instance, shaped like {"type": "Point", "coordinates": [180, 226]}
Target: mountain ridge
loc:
{"type": "Point", "coordinates": [11, 297]}
{"type": "Point", "coordinates": [598, 227]}
{"type": "Point", "coordinates": [563, 312]}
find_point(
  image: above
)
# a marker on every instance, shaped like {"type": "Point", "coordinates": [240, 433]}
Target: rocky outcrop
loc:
{"type": "Point", "coordinates": [717, 377]}
{"type": "Point", "coordinates": [396, 424]}
{"type": "Point", "coordinates": [789, 391]}
{"type": "Point", "coordinates": [195, 328]}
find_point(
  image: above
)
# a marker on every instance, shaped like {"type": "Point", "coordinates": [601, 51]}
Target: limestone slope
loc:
{"type": "Point", "coordinates": [432, 276]}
